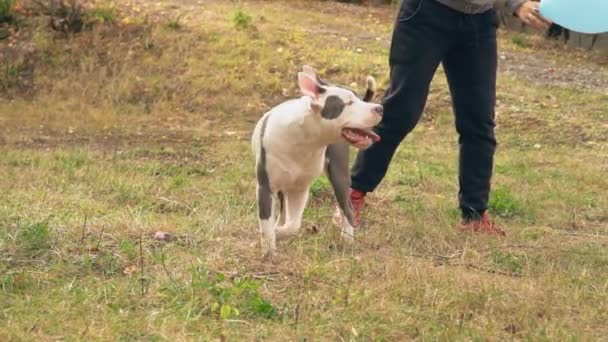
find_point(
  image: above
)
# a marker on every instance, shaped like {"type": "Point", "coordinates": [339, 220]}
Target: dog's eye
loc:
{"type": "Point", "coordinates": [350, 103]}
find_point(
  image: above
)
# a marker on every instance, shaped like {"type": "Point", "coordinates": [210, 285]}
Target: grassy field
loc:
{"type": "Point", "coordinates": [143, 125]}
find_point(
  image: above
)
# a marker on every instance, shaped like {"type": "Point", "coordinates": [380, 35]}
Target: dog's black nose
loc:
{"type": "Point", "coordinates": [379, 110]}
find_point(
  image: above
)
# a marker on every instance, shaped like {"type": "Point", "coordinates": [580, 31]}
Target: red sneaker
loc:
{"type": "Point", "coordinates": [357, 198]}
{"type": "Point", "coordinates": [482, 225]}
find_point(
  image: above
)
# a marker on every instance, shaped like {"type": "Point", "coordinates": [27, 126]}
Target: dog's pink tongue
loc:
{"type": "Point", "coordinates": [375, 137]}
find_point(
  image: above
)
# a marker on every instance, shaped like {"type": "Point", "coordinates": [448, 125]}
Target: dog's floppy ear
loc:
{"type": "Point", "coordinates": [308, 70]}
{"type": "Point", "coordinates": [309, 85]}
{"type": "Point", "coordinates": [313, 73]}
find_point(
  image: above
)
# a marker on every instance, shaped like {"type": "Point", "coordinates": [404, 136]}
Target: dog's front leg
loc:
{"type": "Point", "coordinates": [339, 177]}
{"type": "Point", "coordinates": [295, 204]}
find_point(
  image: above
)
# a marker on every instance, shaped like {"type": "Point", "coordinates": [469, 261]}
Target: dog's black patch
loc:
{"type": "Point", "coordinates": [339, 177]}
{"type": "Point", "coordinates": [333, 107]}
{"type": "Point", "coordinates": [281, 196]}
{"type": "Point", "coordinates": [264, 193]}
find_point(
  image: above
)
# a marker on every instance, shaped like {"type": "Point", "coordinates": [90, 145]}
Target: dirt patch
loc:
{"type": "Point", "coordinates": [546, 71]}
{"type": "Point", "coordinates": [151, 145]}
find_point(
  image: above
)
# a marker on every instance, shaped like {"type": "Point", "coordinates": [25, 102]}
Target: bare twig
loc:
{"type": "Point", "coordinates": [142, 279]}
{"type": "Point", "coordinates": [100, 236]}
{"type": "Point", "coordinates": [162, 259]}
{"type": "Point", "coordinates": [296, 311]}
{"type": "Point", "coordinates": [256, 275]}
{"type": "Point", "coordinates": [84, 228]}
{"type": "Point", "coordinates": [597, 235]}
{"type": "Point", "coordinates": [237, 321]}
{"type": "Point", "coordinates": [177, 202]}
{"type": "Point", "coordinates": [489, 270]}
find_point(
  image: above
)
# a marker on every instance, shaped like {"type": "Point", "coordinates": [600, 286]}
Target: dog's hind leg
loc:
{"type": "Point", "coordinates": [264, 198]}
{"type": "Point", "coordinates": [295, 204]}
{"type": "Point", "coordinates": [339, 177]}
{"type": "Point", "coordinates": [268, 235]}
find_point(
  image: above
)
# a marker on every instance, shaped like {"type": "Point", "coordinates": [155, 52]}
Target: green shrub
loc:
{"type": "Point", "coordinates": [34, 236]}
{"type": "Point", "coordinates": [6, 10]}
{"type": "Point", "coordinates": [241, 19]}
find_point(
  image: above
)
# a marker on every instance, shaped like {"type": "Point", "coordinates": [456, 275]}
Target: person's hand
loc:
{"type": "Point", "coordinates": [528, 13]}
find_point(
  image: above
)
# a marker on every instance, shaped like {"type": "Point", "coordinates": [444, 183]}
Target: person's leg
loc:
{"type": "Point", "coordinates": [417, 47]}
{"type": "Point", "coordinates": [470, 68]}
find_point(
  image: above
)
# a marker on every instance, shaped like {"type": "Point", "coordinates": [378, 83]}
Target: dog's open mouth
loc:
{"type": "Point", "coordinates": [360, 138]}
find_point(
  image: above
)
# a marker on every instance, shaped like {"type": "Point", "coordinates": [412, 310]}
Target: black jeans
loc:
{"type": "Point", "coordinates": [428, 33]}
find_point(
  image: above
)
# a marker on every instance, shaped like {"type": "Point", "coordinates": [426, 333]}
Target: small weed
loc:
{"type": "Point", "coordinates": [34, 236]}
{"type": "Point", "coordinates": [70, 162]}
{"type": "Point", "coordinates": [6, 10]}
{"type": "Point", "coordinates": [507, 262]}
{"type": "Point", "coordinates": [520, 40]}
{"type": "Point", "coordinates": [174, 23]}
{"type": "Point", "coordinates": [107, 264]}
{"type": "Point", "coordinates": [532, 234]}
{"type": "Point", "coordinates": [67, 15]}
{"type": "Point", "coordinates": [105, 13]}
{"type": "Point", "coordinates": [10, 75]}
{"type": "Point", "coordinates": [241, 19]}
{"type": "Point", "coordinates": [179, 181]}
{"type": "Point", "coordinates": [129, 248]}
{"type": "Point", "coordinates": [14, 282]}
{"type": "Point", "coordinates": [231, 298]}
{"type": "Point", "coordinates": [400, 198]}
{"type": "Point", "coordinates": [261, 307]}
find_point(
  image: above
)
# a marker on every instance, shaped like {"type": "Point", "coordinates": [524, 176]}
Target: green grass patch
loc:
{"type": "Point", "coordinates": [504, 204]}
{"type": "Point", "coordinates": [34, 236]}
{"type": "Point", "coordinates": [507, 262]}
{"type": "Point", "coordinates": [105, 12]}
{"type": "Point", "coordinates": [221, 297]}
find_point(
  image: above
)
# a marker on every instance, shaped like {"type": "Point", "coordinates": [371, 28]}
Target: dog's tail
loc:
{"type": "Point", "coordinates": [371, 89]}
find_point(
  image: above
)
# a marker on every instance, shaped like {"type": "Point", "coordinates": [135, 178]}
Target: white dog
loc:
{"type": "Point", "coordinates": [295, 141]}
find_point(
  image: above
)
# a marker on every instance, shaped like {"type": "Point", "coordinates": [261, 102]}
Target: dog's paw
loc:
{"type": "Point", "coordinates": [267, 256]}
{"type": "Point", "coordinates": [348, 233]}
{"type": "Point", "coordinates": [268, 248]}
{"type": "Point", "coordinates": [337, 217]}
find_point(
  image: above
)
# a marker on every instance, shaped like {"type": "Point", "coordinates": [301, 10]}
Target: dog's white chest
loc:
{"type": "Point", "coordinates": [286, 173]}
